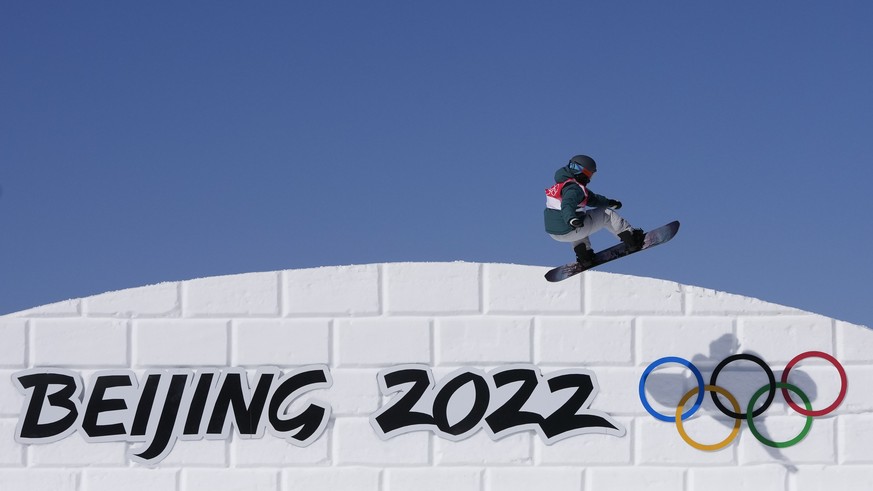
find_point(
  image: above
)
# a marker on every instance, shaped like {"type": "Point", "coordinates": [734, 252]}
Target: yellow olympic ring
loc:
{"type": "Point", "coordinates": [714, 446]}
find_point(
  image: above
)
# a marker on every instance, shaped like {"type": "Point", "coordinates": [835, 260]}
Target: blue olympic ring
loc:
{"type": "Point", "coordinates": [685, 363]}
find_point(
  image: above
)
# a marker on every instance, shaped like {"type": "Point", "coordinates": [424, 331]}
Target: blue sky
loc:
{"type": "Point", "coordinates": [156, 141]}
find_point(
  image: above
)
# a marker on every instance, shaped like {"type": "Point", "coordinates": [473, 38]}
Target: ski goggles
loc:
{"type": "Point", "coordinates": [578, 169]}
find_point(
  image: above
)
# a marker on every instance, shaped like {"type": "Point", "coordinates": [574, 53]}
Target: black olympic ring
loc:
{"type": "Point", "coordinates": [771, 394]}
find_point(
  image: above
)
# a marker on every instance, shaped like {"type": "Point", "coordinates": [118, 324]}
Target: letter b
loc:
{"type": "Point", "coordinates": [35, 385]}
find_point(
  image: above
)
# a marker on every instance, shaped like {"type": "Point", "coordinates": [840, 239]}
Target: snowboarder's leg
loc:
{"type": "Point", "coordinates": [581, 243]}
{"type": "Point", "coordinates": [584, 253]}
{"type": "Point", "coordinates": [633, 238]}
{"type": "Point", "coordinates": [608, 218]}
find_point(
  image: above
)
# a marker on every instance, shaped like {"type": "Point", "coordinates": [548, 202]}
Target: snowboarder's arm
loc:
{"type": "Point", "coordinates": [597, 200]}
{"type": "Point", "coordinates": [570, 199]}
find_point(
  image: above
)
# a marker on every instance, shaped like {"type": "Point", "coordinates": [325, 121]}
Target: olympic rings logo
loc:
{"type": "Point", "coordinates": [682, 414]}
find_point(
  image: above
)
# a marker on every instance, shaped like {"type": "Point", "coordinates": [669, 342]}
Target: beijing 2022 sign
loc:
{"type": "Point", "coordinates": [163, 406]}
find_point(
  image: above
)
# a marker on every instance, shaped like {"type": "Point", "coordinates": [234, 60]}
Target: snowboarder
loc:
{"type": "Point", "coordinates": [573, 212]}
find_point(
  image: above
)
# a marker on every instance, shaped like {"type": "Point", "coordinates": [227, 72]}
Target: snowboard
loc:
{"type": "Point", "coordinates": [652, 238]}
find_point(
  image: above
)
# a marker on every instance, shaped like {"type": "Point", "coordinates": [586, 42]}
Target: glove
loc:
{"type": "Point", "coordinates": [614, 204]}
{"type": "Point", "coordinates": [577, 223]}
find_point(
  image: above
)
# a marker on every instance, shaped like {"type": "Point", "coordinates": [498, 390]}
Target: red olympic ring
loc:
{"type": "Point", "coordinates": [843, 383]}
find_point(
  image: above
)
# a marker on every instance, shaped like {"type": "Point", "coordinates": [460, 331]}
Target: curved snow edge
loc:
{"type": "Point", "coordinates": [399, 288]}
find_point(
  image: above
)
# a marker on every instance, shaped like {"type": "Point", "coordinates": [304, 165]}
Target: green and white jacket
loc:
{"type": "Point", "coordinates": [566, 200]}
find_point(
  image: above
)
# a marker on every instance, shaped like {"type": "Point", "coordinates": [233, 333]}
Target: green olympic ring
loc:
{"type": "Point", "coordinates": [770, 443]}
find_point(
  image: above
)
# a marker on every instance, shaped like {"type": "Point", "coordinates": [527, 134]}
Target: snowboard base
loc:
{"type": "Point", "coordinates": [652, 238]}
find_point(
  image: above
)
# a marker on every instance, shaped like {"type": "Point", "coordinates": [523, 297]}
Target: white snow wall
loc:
{"type": "Point", "coordinates": [358, 320]}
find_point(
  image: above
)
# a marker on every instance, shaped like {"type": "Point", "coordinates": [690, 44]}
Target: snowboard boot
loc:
{"type": "Point", "coordinates": [633, 239]}
{"type": "Point", "coordinates": [584, 255]}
